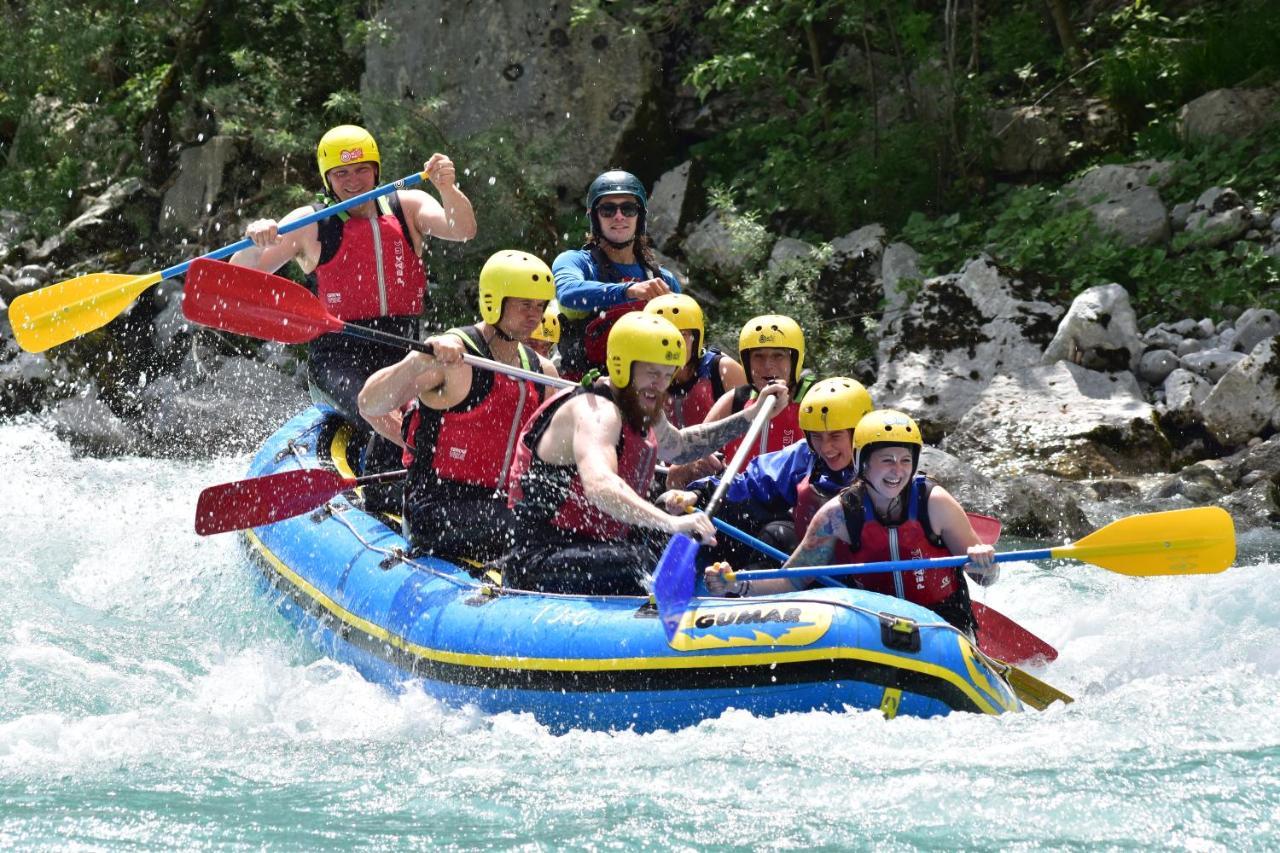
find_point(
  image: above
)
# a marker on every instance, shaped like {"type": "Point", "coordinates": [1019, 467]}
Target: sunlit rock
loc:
{"type": "Point", "coordinates": [958, 332]}
{"type": "Point", "coordinates": [1062, 419]}
{"type": "Point", "coordinates": [1099, 331]}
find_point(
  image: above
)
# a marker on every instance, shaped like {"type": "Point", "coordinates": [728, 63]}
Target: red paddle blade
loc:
{"type": "Point", "coordinates": [249, 302]}
{"type": "Point", "coordinates": [1003, 639]}
{"type": "Point", "coordinates": [264, 500]}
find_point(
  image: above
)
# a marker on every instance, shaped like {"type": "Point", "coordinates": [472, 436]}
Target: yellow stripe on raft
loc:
{"type": "Point", "coordinates": [514, 662]}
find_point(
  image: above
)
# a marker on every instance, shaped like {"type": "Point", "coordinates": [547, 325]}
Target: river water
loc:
{"type": "Point", "coordinates": [149, 697]}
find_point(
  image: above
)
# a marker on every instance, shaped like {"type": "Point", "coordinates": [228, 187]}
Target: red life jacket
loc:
{"type": "Point", "coordinates": [784, 430]}
{"type": "Point", "coordinates": [912, 539]}
{"type": "Point", "coordinates": [474, 442]}
{"type": "Point", "coordinates": [552, 495]}
{"type": "Point", "coordinates": [688, 404]}
{"type": "Point", "coordinates": [371, 268]}
{"type": "Point", "coordinates": [809, 499]}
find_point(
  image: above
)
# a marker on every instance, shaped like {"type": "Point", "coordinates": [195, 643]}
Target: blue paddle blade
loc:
{"type": "Point", "coordinates": [673, 581]}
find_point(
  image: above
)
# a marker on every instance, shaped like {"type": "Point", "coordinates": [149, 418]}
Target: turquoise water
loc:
{"type": "Point", "coordinates": [150, 698]}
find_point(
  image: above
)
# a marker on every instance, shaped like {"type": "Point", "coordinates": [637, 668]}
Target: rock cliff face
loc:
{"type": "Point", "coordinates": [581, 94]}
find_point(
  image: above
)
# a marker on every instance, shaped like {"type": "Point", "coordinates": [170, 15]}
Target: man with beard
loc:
{"type": "Point", "coordinates": [586, 460]}
{"type": "Point", "coordinates": [613, 274]}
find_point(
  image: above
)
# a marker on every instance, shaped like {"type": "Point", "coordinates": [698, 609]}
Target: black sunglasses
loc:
{"type": "Point", "coordinates": [608, 209]}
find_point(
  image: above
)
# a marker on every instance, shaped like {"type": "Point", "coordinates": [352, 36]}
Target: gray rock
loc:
{"type": "Point", "coordinates": [1212, 364]}
{"type": "Point", "coordinates": [1099, 331]}
{"type": "Point", "coordinates": [669, 205]}
{"type": "Point", "coordinates": [713, 248]}
{"type": "Point", "coordinates": [89, 425]}
{"type": "Point", "coordinates": [1226, 114]}
{"type": "Point", "coordinates": [1185, 328]}
{"type": "Point", "coordinates": [1188, 346]}
{"type": "Point", "coordinates": [195, 191]}
{"type": "Point", "coordinates": [41, 274]}
{"type": "Point", "coordinates": [1207, 329]}
{"type": "Point", "coordinates": [1218, 200]}
{"type": "Point", "coordinates": [1064, 420]}
{"type": "Point", "coordinates": [865, 242]}
{"type": "Point", "coordinates": [959, 332]}
{"type": "Point", "coordinates": [1178, 215]}
{"type": "Point", "coordinates": [1227, 340]}
{"type": "Point", "coordinates": [520, 70]}
{"type": "Point", "coordinates": [1139, 218]}
{"type": "Point", "coordinates": [1041, 507]}
{"type": "Point", "coordinates": [1156, 365]}
{"type": "Point", "coordinates": [1027, 139]}
{"type": "Point", "coordinates": [1208, 230]}
{"type": "Point", "coordinates": [1257, 506]}
{"type": "Point", "coordinates": [1253, 235]}
{"type": "Point", "coordinates": [788, 250]}
{"type": "Point", "coordinates": [13, 226]}
{"type": "Point", "coordinates": [122, 214]}
{"type": "Point", "coordinates": [901, 277]}
{"type": "Point", "coordinates": [1254, 325]}
{"type": "Point", "coordinates": [1199, 483]}
{"type": "Point", "coordinates": [1243, 402]}
{"type": "Point", "coordinates": [24, 284]}
{"type": "Point", "coordinates": [1275, 225]}
{"type": "Point", "coordinates": [1161, 338]}
{"type": "Point", "coordinates": [233, 408]}
{"type": "Point", "coordinates": [1259, 219]}
{"type": "Point", "coordinates": [1222, 326]}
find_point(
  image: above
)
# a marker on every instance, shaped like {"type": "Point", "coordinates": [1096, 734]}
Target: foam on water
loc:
{"type": "Point", "coordinates": [149, 696]}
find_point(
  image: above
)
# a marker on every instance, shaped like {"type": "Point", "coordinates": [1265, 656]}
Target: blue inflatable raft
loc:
{"type": "Point", "coordinates": [343, 577]}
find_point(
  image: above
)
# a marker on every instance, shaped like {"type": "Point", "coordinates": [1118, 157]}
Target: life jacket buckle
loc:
{"type": "Point", "coordinates": [899, 633]}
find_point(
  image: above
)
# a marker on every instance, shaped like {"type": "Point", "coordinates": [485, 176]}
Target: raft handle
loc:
{"type": "Point", "coordinates": [899, 633]}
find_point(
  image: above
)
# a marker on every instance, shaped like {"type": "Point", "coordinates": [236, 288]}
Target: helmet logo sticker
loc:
{"type": "Point", "coordinates": [351, 154]}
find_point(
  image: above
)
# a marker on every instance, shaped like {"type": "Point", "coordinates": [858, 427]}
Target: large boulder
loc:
{"type": "Point", "coordinates": [1027, 139]}
{"type": "Point", "coordinates": [900, 278]}
{"type": "Point", "coordinates": [1246, 401]}
{"type": "Point", "coordinates": [1227, 114]}
{"type": "Point", "coordinates": [1217, 216]}
{"type": "Point", "coordinates": [192, 195]}
{"type": "Point", "coordinates": [1125, 200]}
{"type": "Point", "coordinates": [670, 203]}
{"type": "Point", "coordinates": [959, 332]}
{"type": "Point", "coordinates": [572, 98]}
{"type": "Point", "coordinates": [235, 406]}
{"type": "Point", "coordinates": [89, 425]}
{"type": "Point", "coordinates": [1029, 505]}
{"type": "Point", "coordinates": [1099, 331]}
{"type": "Point", "coordinates": [849, 283]}
{"type": "Point", "coordinates": [123, 214]}
{"type": "Point", "coordinates": [1064, 420]}
{"type": "Point", "coordinates": [1253, 326]}
{"type": "Point", "coordinates": [725, 247]}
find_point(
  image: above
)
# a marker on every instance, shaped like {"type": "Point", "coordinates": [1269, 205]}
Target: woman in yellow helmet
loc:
{"type": "Point", "coordinates": [890, 513]}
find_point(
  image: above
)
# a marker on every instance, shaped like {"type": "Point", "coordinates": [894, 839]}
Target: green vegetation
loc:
{"type": "Point", "coordinates": [832, 114]}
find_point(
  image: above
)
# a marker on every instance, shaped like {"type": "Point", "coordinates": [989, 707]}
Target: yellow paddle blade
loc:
{"type": "Point", "coordinates": [1195, 541]}
{"type": "Point", "coordinates": [1031, 690]}
{"type": "Point", "coordinates": [55, 314]}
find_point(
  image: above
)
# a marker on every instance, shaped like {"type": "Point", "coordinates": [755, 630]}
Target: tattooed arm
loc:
{"type": "Point", "coordinates": [680, 446]}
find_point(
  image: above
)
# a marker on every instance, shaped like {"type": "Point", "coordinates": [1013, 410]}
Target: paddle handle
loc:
{"type": "Point", "coordinates": [379, 336]}
{"type": "Point", "coordinates": [316, 216]}
{"type": "Point", "coordinates": [740, 457]}
{"type": "Point", "coordinates": [885, 566]}
{"type": "Point", "coordinates": [762, 546]}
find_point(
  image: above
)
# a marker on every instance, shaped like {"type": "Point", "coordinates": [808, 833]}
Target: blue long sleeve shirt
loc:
{"type": "Point", "coordinates": [580, 291]}
{"type": "Point", "coordinates": [769, 481]}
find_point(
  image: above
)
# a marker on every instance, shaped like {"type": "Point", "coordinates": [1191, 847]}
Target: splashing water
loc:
{"type": "Point", "coordinates": [149, 696]}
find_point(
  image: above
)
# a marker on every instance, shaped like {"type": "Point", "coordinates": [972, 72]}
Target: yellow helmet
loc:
{"type": "Point", "coordinates": [549, 329]}
{"type": "Point", "coordinates": [886, 428]}
{"type": "Point", "coordinates": [772, 330]}
{"type": "Point", "coordinates": [836, 403]}
{"type": "Point", "coordinates": [683, 311]}
{"type": "Point", "coordinates": [344, 145]}
{"type": "Point", "coordinates": [638, 336]}
{"type": "Point", "coordinates": [512, 274]}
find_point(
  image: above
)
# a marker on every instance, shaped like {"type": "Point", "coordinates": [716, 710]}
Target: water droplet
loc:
{"type": "Point", "coordinates": [492, 180]}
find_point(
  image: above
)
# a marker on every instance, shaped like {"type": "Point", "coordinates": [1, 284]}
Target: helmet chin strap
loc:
{"type": "Point", "coordinates": [614, 244]}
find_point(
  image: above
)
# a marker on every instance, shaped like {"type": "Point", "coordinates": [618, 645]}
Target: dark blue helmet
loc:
{"type": "Point", "coordinates": [616, 182]}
